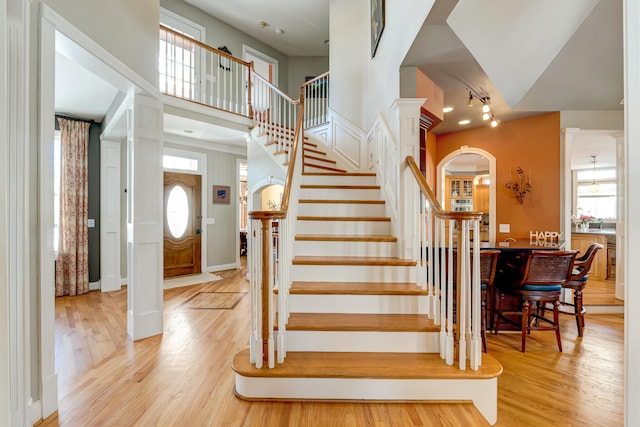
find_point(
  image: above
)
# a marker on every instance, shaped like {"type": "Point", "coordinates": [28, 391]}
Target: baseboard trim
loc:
{"type": "Point", "coordinates": [35, 412]}
{"type": "Point", "coordinates": [94, 286]}
{"type": "Point", "coordinates": [222, 267]}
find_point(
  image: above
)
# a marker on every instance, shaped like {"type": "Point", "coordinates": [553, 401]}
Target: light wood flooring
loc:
{"type": "Point", "coordinates": [184, 378]}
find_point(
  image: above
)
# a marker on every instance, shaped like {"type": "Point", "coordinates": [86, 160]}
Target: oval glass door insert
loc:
{"type": "Point", "coordinates": [177, 211]}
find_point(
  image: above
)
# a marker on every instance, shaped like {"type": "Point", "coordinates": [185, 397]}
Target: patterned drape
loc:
{"type": "Point", "coordinates": [72, 266]}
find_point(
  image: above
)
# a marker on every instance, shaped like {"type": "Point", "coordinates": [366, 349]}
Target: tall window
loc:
{"type": "Point", "coordinates": [178, 63]}
{"type": "Point", "coordinates": [596, 193]}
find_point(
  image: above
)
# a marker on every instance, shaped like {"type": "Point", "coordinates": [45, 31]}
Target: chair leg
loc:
{"type": "Point", "coordinates": [577, 301]}
{"type": "Point", "coordinates": [526, 318]}
{"type": "Point", "coordinates": [556, 320]}
{"type": "Point", "coordinates": [498, 315]}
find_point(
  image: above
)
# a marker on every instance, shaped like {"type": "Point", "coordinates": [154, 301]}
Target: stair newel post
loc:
{"type": "Point", "coordinates": [256, 349]}
{"type": "Point", "coordinates": [250, 71]}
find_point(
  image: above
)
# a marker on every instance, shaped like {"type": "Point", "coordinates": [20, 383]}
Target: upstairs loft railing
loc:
{"type": "Point", "coordinates": [192, 70]}
{"type": "Point", "coordinates": [454, 291]}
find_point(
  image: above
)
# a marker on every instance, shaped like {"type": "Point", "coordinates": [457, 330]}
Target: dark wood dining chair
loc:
{"type": "Point", "coordinates": [545, 273]}
{"type": "Point", "coordinates": [578, 281]}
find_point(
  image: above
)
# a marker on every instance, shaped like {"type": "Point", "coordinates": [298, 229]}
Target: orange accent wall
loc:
{"type": "Point", "coordinates": [430, 172]}
{"type": "Point", "coordinates": [532, 143]}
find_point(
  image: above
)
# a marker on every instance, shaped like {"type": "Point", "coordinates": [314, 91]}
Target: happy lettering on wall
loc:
{"type": "Point", "coordinates": [544, 236]}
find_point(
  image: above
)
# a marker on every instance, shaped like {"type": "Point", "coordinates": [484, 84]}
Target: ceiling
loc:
{"type": "Point", "coordinates": [526, 60]}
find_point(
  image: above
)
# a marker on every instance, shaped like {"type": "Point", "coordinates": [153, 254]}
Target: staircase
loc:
{"type": "Point", "coordinates": [358, 327]}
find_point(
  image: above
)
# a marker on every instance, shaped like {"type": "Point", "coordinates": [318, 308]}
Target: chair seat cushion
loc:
{"type": "Point", "coordinates": [551, 287]}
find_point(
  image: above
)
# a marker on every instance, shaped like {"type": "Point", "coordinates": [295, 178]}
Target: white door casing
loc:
{"type": "Point", "coordinates": [110, 279]}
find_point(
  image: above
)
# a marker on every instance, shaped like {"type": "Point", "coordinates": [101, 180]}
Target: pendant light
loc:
{"type": "Point", "coordinates": [594, 187]}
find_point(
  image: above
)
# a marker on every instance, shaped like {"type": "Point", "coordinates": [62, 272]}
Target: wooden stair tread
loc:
{"type": "Point", "coordinates": [345, 218]}
{"type": "Point", "coordinates": [344, 238]}
{"type": "Point", "coordinates": [356, 288]}
{"type": "Point", "coordinates": [340, 187]}
{"type": "Point", "coordinates": [339, 174]}
{"type": "Point", "coordinates": [351, 260]}
{"type": "Point", "coordinates": [319, 159]}
{"type": "Point", "coordinates": [361, 322]}
{"type": "Point", "coordinates": [328, 168]}
{"type": "Point", "coordinates": [322, 153]}
{"type": "Point", "coordinates": [366, 365]}
{"type": "Point", "coordinates": [364, 202]}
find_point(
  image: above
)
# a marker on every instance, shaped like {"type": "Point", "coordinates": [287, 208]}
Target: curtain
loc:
{"type": "Point", "coordinates": [72, 266]}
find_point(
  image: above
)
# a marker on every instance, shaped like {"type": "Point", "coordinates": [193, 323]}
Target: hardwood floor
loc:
{"type": "Point", "coordinates": [184, 376]}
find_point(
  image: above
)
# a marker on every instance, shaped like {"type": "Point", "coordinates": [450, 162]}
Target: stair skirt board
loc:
{"type": "Point", "coordinates": [361, 304]}
{"type": "Point", "coordinates": [482, 392]}
{"type": "Point", "coordinates": [345, 248]}
{"type": "Point", "coordinates": [357, 228]}
{"type": "Point", "coordinates": [363, 341]}
{"type": "Point", "coordinates": [353, 273]}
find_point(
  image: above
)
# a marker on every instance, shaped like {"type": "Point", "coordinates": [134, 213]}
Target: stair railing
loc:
{"type": "Point", "coordinates": [440, 233]}
{"type": "Point", "coordinates": [275, 113]}
{"type": "Point", "coordinates": [272, 233]}
{"type": "Point", "coordinates": [192, 70]}
{"type": "Point", "coordinates": [316, 95]}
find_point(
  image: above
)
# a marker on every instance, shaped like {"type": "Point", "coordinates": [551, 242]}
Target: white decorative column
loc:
{"type": "Point", "coordinates": [15, 281]}
{"type": "Point", "coordinates": [621, 218]}
{"type": "Point", "coordinates": [407, 114]}
{"type": "Point", "coordinates": [566, 208]}
{"type": "Point", "coordinates": [144, 217]}
{"type": "Point", "coordinates": [631, 207]}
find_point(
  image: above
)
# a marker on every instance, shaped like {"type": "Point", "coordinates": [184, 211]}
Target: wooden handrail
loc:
{"type": "Point", "coordinates": [205, 46]}
{"type": "Point", "coordinates": [274, 88]}
{"type": "Point", "coordinates": [439, 212]}
{"type": "Point", "coordinates": [315, 79]}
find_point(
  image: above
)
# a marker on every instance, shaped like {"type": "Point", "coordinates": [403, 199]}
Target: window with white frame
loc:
{"type": "Point", "coordinates": [178, 63]}
{"type": "Point", "coordinates": [596, 193]}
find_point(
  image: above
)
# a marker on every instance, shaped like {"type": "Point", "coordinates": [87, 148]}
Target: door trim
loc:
{"type": "Point", "coordinates": [202, 171]}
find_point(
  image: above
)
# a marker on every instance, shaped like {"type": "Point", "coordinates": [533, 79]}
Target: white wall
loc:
{"type": "Point", "coordinates": [598, 120]}
{"type": "Point", "coordinates": [303, 66]}
{"type": "Point", "coordinates": [127, 29]}
{"type": "Point", "coordinates": [348, 58]}
{"type": "Point", "coordinates": [352, 96]}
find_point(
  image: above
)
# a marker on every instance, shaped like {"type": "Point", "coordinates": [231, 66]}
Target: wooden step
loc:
{"type": "Point", "coordinates": [318, 159]}
{"type": "Point", "coordinates": [370, 377]}
{"type": "Point", "coordinates": [366, 365]}
{"type": "Point", "coordinates": [340, 187]}
{"type": "Point", "coordinates": [351, 288]}
{"type": "Point", "coordinates": [338, 174]}
{"type": "Point", "coordinates": [344, 218]}
{"type": "Point", "coordinates": [311, 150]}
{"type": "Point", "coordinates": [343, 238]}
{"type": "Point", "coordinates": [360, 322]}
{"type": "Point", "coordinates": [360, 261]}
{"type": "Point", "coordinates": [348, 202]}
{"type": "Point", "coordinates": [327, 168]}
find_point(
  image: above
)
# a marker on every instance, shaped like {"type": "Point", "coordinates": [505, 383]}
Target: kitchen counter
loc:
{"type": "Point", "coordinates": [601, 231]}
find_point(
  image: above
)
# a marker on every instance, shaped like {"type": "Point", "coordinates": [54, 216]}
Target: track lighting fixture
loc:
{"type": "Point", "coordinates": [485, 100]}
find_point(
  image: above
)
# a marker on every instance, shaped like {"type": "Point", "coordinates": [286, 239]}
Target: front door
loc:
{"type": "Point", "coordinates": [182, 224]}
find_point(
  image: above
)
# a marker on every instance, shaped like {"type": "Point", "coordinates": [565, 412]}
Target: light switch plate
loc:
{"type": "Point", "coordinates": [505, 228]}
{"type": "Point", "coordinates": [91, 223]}
{"type": "Point", "coordinates": [210, 221]}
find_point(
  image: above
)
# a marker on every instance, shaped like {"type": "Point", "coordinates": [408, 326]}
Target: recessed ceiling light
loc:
{"type": "Point", "coordinates": [279, 31]}
{"type": "Point", "coordinates": [447, 109]}
{"type": "Point", "coordinates": [464, 122]}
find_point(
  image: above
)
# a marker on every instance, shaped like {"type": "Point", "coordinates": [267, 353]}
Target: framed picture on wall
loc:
{"type": "Point", "coordinates": [377, 24]}
{"type": "Point", "coordinates": [221, 194]}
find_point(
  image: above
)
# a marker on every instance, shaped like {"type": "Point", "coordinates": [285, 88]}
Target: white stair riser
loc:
{"type": "Point", "coordinates": [353, 273]}
{"type": "Point", "coordinates": [363, 304]}
{"type": "Point", "coordinates": [338, 180]}
{"type": "Point", "coordinates": [339, 194]}
{"type": "Point", "coordinates": [483, 393]}
{"type": "Point", "coordinates": [363, 342]}
{"type": "Point", "coordinates": [368, 249]}
{"type": "Point", "coordinates": [354, 228]}
{"type": "Point", "coordinates": [340, 209]}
